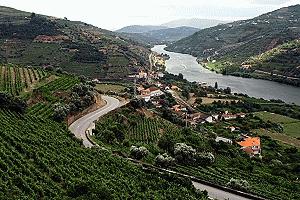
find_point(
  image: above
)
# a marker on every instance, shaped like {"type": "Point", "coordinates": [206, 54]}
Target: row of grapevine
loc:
{"type": "Point", "coordinates": [42, 110]}
{"type": "Point", "coordinates": [39, 159]}
{"type": "Point", "coordinates": [149, 130]}
{"type": "Point", "coordinates": [62, 83]}
{"type": "Point", "coordinates": [15, 79]}
{"type": "Point", "coordinates": [223, 175]}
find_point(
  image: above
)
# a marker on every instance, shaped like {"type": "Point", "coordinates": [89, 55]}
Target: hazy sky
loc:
{"type": "Point", "coordinates": [114, 14]}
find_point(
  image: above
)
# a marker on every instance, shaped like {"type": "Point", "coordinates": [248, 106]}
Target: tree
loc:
{"type": "Point", "coordinates": [204, 159]}
{"type": "Point", "coordinates": [180, 76]}
{"type": "Point", "coordinates": [164, 160]}
{"type": "Point", "coordinates": [33, 15]}
{"type": "Point", "coordinates": [60, 112]}
{"type": "Point", "coordinates": [138, 152]}
{"type": "Point", "coordinates": [227, 90]}
{"type": "Point", "coordinates": [199, 101]}
{"type": "Point", "coordinates": [239, 184]}
{"type": "Point", "coordinates": [184, 154]}
{"type": "Point", "coordinates": [216, 85]}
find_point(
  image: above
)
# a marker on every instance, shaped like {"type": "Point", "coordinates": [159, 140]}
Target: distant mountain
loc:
{"type": "Point", "coordinates": [196, 23]}
{"type": "Point", "coordinates": [140, 29]}
{"type": "Point", "coordinates": [161, 36]}
{"type": "Point", "coordinates": [171, 34]}
{"type": "Point", "coordinates": [232, 44]}
{"type": "Point", "coordinates": [76, 47]}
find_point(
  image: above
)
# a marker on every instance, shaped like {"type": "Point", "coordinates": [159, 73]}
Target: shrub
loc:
{"type": "Point", "coordinates": [205, 158]}
{"type": "Point", "coordinates": [184, 154]}
{"type": "Point", "coordinates": [164, 160]}
{"type": "Point", "coordinates": [239, 184]}
{"type": "Point", "coordinates": [60, 112]}
{"type": "Point", "coordinates": [138, 152]}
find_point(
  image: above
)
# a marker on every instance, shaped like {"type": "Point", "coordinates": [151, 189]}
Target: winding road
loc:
{"type": "Point", "coordinates": [79, 127]}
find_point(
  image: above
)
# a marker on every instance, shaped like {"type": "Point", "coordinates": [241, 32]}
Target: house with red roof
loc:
{"type": "Point", "coordinates": [251, 145]}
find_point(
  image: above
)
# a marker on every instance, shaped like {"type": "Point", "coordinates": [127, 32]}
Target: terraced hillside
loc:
{"type": "Point", "coordinates": [284, 59]}
{"type": "Point", "coordinates": [40, 159]}
{"type": "Point", "coordinates": [77, 47]}
{"type": "Point", "coordinates": [14, 79]}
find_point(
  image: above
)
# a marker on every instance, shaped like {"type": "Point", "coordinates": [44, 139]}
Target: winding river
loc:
{"type": "Point", "coordinates": [192, 71]}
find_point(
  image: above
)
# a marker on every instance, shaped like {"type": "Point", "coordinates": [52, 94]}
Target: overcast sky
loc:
{"type": "Point", "coordinates": [114, 14]}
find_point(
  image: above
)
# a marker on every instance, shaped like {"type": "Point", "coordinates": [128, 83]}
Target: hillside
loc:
{"type": "Point", "coordinates": [284, 59]}
{"type": "Point", "coordinates": [77, 47]}
{"type": "Point", "coordinates": [41, 159]}
{"type": "Point", "coordinates": [238, 41]}
{"type": "Point", "coordinates": [196, 23]}
{"type": "Point", "coordinates": [162, 36]}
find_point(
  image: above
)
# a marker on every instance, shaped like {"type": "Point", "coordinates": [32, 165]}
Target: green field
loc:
{"type": "Point", "coordinates": [290, 126]}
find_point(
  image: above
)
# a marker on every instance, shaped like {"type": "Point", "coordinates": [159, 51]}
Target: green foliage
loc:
{"type": "Point", "coordinates": [40, 159]}
{"type": "Point", "coordinates": [15, 79]}
{"type": "Point", "coordinates": [13, 103]}
{"type": "Point", "coordinates": [138, 152]}
{"type": "Point", "coordinates": [164, 160]}
{"type": "Point", "coordinates": [239, 184]}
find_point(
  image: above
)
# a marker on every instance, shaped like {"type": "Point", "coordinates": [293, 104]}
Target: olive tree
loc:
{"type": "Point", "coordinates": [138, 152]}
{"type": "Point", "coordinates": [164, 160]}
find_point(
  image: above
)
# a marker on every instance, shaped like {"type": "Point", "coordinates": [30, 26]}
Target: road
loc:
{"type": "Point", "coordinates": [217, 193]}
{"type": "Point", "coordinates": [79, 127]}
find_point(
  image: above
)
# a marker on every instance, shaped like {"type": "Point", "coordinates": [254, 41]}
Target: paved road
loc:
{"type": "Point", "coordinates": [217, 193]}
{"type": "Point", "coordinates": [79, 127]}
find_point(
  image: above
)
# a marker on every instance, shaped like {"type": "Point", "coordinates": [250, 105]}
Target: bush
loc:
{"type": "Point", "coordinates": [164, 160]}
{"type": "Point", "coordinates": [138, 152]}
{"type": "Point", "coordinates": [12, 103]}
{"type": "Point", "coordinates": [205, 159]}
{"type": "Point", "coordinates": [184, 154]}
{"type": "Point", "coordinates": [60, 112]}
{"type": "Point", "coordinates": [239, 184]}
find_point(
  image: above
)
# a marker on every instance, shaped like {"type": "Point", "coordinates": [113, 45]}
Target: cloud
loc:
{"type": "Point", "coordinates": [269, 2]}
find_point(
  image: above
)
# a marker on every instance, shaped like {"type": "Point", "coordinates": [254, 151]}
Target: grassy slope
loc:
{"type": "Point", "coordinates": [291, 126]}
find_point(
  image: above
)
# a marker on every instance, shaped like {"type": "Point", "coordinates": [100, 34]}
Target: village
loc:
{"type": "Point", "coordinates": [151, 88]}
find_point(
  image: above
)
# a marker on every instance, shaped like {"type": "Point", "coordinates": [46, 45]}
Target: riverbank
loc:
{"type": "Point", "coordinates": [258, 88]}
{"type": "Point", "coordinates": [224, 69]}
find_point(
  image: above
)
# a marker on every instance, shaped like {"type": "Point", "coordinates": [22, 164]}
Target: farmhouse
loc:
{"type": "Point", "coordinates": [251, 145]}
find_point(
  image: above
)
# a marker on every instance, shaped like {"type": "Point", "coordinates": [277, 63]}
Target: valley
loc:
{"type": "Point", "coordinates": [193, 108]}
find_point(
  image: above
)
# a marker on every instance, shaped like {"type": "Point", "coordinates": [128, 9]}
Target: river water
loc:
{"type": "Point", "coordinates": [192, 71]}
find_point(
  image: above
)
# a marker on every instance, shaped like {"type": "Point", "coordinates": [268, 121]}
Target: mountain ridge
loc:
{"type": "Point", "coordinates": [230, 45]}
{"type": "Point", "coordinates": [76, 47]}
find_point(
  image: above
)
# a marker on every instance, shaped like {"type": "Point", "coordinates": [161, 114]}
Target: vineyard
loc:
{"type": "Point", "coordinates": [39, 158]}
{"type": "Point", "coordinates": [45, 109]}
{"type": "Point", "coordinates": [149, 130]}
{"type": "Point", "coordinates": [259, 180]}
{"type": "Point", "coordinates": [15, 79]}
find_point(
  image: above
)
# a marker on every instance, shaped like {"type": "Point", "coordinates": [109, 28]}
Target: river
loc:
{"type": "Point", "coordinates": [192, 71]}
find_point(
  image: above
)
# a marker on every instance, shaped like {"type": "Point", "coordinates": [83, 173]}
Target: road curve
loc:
{"type": "Point", "coordinates": [217, 193]}
{"type": "Point", "coordinates": [79, 127]}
